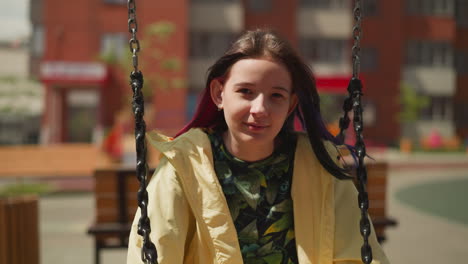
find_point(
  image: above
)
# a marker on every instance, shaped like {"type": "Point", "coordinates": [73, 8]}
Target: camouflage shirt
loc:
{"type": "Point", "coordinates": [259, 199]}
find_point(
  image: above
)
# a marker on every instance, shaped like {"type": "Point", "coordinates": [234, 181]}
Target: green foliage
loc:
{"type": "Point", "coordinates": [8, 79]}
{"type": "Point", "coordinates": [162, 30]}
{"type": "Point", "coordinates": [19, 189]}
{"type": "Point", "coordinates": [155, 37]}
{"type": "Point", "coordinates": [18, 94]}
{"type": "Point", "coordinates": [109, 57]}
{"type": "Point", "coordinates": [412, 103]}
{"type": "Point", "coordinates": [178, 83]}
{"type": "Point", "coordinates": [329, 107]}
{"type": "Point", "coordinates": [171, 64]}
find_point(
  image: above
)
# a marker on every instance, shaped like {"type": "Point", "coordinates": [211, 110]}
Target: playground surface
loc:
{"type": "Point", "coordinates": [429, 228]}
{"type": "Point", "coordinates": [426, 194]}
{"type": "Point", "coordinates": [423, 235]}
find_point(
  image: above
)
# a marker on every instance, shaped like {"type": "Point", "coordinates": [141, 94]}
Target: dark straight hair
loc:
{"type": "Point", "coordinates": [263, 43]}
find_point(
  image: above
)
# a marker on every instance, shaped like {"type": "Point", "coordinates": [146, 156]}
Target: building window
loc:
{"type": "Point", "coordinates": [259, 5]}
{"type": "Point", "coordinates": [19, 129]}
{"type": "Point", "coordinates": [37, 41]}
{"type": "Point", "coordinates": [461, 62]}
{"type": "Point", "coordinates": [369, 59]}
{"type": "Point", "coordinates": [209, 44]}
{"type": "Point", "coordinates": [82, 109]}
{"type": "Point", "coordinates": [114, 45]}
{"type": "Point", "coordinates": [429, 53]}
{"type": "Point", "coordinates": [370, 7]}
{"type": "Point", "coordinates": [439, 108]}
{"type": "Point", "coordinates": [324, 50]}
{"type": "Point", "coordinates": [461, 12]}
{"type": "Point", "coordinates": [431, 7]}
{"type": "Point", "coordinates": [326, 4]}
{"type": "Point", "coordinates": [460, 112]}
{"type": "Point", "coordinates": [118, 2]}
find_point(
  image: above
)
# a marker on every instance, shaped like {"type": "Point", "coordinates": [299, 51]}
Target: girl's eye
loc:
{"type": "Point", "coordinates": [278, 95]}
{"type": "Point", "coordinates": [245, 91]}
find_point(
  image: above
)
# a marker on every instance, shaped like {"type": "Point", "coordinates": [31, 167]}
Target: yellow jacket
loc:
{"type": "Point", "coordinates": [191, 222]}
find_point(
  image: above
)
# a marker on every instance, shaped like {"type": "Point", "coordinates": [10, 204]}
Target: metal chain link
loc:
{"type": "Point", "coordinates": [134, 44]}
{"type": "Point", "coordinates": [361, 172]}
{"type": "Point", "coordinates": [353, 102]}
{"type": "Point", "coordinates": [357, 34]}
{"type": "Point", "coordinates": [360, 147]}
{"type": "Point", "coordinates": [148, 251]}
{"type": "Point", "coordinates": [356, 59]}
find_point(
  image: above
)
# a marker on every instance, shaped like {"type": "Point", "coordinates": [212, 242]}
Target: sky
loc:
{"type": "Point", "coordinates": [14, 19]}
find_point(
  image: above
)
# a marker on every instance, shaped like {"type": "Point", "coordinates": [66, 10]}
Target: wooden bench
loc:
{"type": "Point", "coordinates": [377, 191]}
{"type": "Point", "coordinates": [19, 231]}
{"type": "Point", "coordinates": [116, 204]}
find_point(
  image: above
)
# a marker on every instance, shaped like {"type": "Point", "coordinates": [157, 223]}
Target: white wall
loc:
{"type": "Point", "coordinates": [216, 17]}
{"type": "Point", "coordinates": [14, 62]}
{"type": "Point", "coordinates": [431, 80]}
{"type": "Point", "coordinates": [331, 23]}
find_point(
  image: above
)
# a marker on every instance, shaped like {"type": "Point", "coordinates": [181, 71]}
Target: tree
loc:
{"type": "Point", "coordinates": [411, 105]}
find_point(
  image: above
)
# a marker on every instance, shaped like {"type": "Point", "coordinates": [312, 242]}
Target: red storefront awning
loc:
{"type": "Point", "coordinates": [333, 84]}
{"type": "Point", "coordinates": [70, 72]}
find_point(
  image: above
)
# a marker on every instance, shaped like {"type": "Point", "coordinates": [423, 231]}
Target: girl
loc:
{"type": "Point", "coordinates": [238, 185]}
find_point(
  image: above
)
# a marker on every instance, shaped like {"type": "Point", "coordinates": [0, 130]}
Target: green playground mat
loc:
{"type": "Point", "coordinates": [445, 198]}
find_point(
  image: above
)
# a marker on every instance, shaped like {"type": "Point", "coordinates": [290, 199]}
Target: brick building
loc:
{"type": "Point", "coordinates": [408, 41]}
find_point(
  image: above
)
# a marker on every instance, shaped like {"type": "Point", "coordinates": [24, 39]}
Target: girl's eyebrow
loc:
{"type": "Point", "coordinates": [252, 84]}
{"type": "Point", "coordinates": [244, 84]}
{"type": "Point", "coordinates": [281, 88]}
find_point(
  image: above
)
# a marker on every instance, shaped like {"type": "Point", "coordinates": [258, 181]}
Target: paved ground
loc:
{"type": "Point", "coordinates": [420, 238]}
{"type": "Point", "coordinates": [64, 220]}
{"type": "Point", "coordinates": [446, 196]}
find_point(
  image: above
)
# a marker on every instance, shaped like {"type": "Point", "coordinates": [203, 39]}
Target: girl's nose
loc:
{"type": "Point", "coordinates": [259, 106]}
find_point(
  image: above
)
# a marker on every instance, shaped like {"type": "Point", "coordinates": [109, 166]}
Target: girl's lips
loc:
{"type": "Point", "coordinates": [256, 127]}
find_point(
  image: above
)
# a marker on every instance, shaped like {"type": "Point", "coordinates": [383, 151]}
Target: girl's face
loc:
{"type": "Point", "coordinates": [256, 99]}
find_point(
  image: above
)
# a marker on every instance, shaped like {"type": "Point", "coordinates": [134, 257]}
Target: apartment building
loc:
{"type": "Point", "coordinates": [429, 54]}
{"type": "Point", "coordinates": [84, 93]}
{"type": "Point", "coordinates": [404, 41]}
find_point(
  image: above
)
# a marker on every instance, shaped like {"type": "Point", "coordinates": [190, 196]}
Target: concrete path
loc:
{"type": "Point", "coordinates": [64, 220]}
{"type": "Point", "coordinates": [419, 238]}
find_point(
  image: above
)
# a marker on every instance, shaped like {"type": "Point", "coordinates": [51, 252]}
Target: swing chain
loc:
{"type": "Point", "coordinates": [353, 102]}
{"type": "Point", "coordinates": [148, 254]}
{"type": "Point", "coordinates": [134, 43]}
{"type": "Point", "coordinates": [356, 62]}
{"type": "Point", "coordinates": [357, 34]}
{"type": "Point", "coordinates": [361, 171]}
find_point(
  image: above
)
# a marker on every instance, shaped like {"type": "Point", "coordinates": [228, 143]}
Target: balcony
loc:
{"type": "Point", "coordinates": [216, 16]}
{"type": "Point", "coordinates": [331, 23]}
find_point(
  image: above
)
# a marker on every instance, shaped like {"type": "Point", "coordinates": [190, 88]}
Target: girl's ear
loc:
{"type": "Point", "coordinates": [216, 91]}
{"type": "Point", "coordinates": [293, 103]}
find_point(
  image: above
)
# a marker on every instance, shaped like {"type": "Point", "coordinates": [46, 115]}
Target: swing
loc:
{"type": "Point", "coordinates": [352, 102]}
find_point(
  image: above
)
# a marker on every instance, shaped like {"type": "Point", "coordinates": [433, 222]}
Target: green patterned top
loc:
{"type": "Point", "coordinates": [259, 199]}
